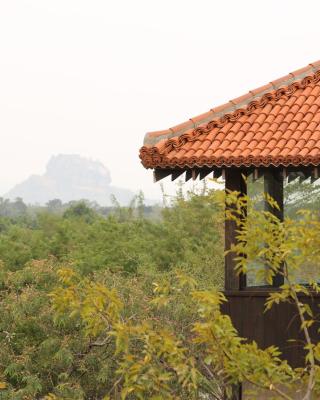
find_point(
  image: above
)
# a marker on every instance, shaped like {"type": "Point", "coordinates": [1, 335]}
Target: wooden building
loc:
{"type": "Point", "coordinates": [272, 133]}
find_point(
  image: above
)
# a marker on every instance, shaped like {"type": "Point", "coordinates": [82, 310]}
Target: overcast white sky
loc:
{"type": "Point", "coordinates": [91, 76]}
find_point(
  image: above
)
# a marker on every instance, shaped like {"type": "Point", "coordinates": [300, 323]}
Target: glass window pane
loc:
{"type": "Point", "coordinates": [302, 194]}
{"type": "Point", "coordinates": [255, 191]}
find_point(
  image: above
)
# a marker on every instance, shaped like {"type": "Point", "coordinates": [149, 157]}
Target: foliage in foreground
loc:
{"type": "Point", "coordinates": [41, 354]}
{"type": "Point", "coordinates": [205, 357]}
{"type": "Point", "coordinates": [201, 357]}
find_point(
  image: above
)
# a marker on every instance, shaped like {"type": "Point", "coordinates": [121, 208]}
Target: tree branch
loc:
{"type": "Point", "coordinates": [311, 380]}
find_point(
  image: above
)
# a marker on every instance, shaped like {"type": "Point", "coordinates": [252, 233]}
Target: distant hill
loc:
{"type": "Point", "coordinates": [70, 177]}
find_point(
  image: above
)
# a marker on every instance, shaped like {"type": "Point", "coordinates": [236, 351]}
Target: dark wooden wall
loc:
{"type": "Point", "coordinates": [274, 327]}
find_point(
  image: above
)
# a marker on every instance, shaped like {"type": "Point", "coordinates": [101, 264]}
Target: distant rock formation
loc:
{"type": "Point", "coordinates": [70, 177]}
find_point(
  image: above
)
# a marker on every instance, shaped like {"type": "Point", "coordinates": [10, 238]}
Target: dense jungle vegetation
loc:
{"type": "Point", "coordinates": [128, 248]}
{"type": "Point", "coordinates": [116, 303]}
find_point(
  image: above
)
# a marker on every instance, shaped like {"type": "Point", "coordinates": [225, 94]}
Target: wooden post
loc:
{"type": "Point", "coordinates": [237, 392]}
{"type": "Point", "coordinates": [273, 185]}
{"type": "Point", "coordinates": [233, 182]}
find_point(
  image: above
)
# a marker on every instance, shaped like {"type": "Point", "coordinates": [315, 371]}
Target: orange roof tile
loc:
{"type": "Point", "coordinates": [276, 124]}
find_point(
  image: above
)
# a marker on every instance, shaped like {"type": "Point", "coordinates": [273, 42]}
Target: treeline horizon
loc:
{"type": "Point", "coordinates": [19, 208]}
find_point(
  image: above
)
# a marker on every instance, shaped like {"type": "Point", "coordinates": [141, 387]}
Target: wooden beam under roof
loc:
{"type": "Point", "coordinates": [257, 174]}
{"type": "Point", "coordinates": [188, 174]}
{"type": "Point", "coordinates": [284, 173]}
{"type": "Point", "coordinates": [302, 175]}
{"type": "Point", "coordinates": [292, 176]}
{"type": "Point", "coordinates": [291, 173]}
{"type": "Point", "coordinates": [191, 173]}
{"type": "Point", "coordinates": [195, 172]}
{"type": "Point", "coordinates": [159, 174]}
{"type": "Point", "coordinates": [204, 172]}
{"type": "Point", "coordinates": [217, 173]}
{"type": "Point", "coordinates": [315, 174]}
{"type": "Point", "coordinates": [176, 173]}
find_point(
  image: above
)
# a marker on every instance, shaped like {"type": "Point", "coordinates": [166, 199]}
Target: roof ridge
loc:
{"type": "Point", "coordinates": [152, 138]}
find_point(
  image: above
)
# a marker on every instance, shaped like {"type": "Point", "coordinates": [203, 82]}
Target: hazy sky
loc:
{"type": "Point", "coordinates": [91, 77]}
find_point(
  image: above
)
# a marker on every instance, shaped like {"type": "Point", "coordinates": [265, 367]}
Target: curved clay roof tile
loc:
{"type": "Point", "coordinates": [276, 124]}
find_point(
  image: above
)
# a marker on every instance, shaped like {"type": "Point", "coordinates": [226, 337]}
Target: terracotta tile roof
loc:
{"type": "Point", "coordinates": [276, 124]}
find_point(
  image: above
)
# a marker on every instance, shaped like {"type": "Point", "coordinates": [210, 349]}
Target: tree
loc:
{"type": "Point", "coordinates": [205, 357]}
{"type": "Point", "coordinates": [18, 206]}
{"type": "Point", "coordinates": [79, 210]}
{"type": "Point", "coordinates": [54, 205]}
